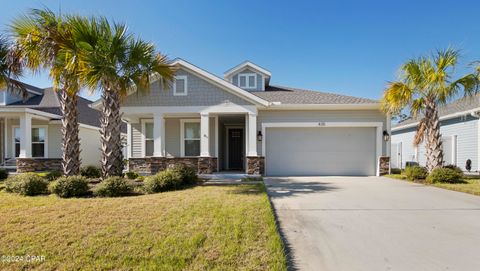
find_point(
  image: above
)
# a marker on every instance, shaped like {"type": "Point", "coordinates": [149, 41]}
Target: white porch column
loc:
{"type": "Point", "coordinates": [25, 136]}
{"type": "Point", "coordinates": [204, 135]}
{"type": "Point", "coordinates": [252, 134]}
{"type": "Point", "coordinates": [129, 140]}
{"type": "Point", "coordinates": [158, 135]}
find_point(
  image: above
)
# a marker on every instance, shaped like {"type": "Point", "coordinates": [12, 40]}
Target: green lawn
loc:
{"type": "Point", "coordinates": [205, 227]}
{"type": "Point", "coordinates": [471, 186]}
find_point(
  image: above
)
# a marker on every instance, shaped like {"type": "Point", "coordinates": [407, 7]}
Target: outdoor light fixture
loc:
{"type": "Point", "coordinates": [386, 136]}
{"type": "Point", "coordinates": [259, 136]}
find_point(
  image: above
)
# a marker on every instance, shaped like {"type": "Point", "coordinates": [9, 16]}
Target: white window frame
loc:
{"type": "Point", "coordinates": [247, 75]}
{"type": "Point", "coordinates": [184, 78]}
{"type": "Point", "coordinates": [182, 135]}
{"type": "Point", "coordinates": [45, 144]}
{"type": "Point", "coordinates": [144, 137]}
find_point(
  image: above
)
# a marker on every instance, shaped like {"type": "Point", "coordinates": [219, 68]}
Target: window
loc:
{"type": "Point", "coordinates": [247, 80]}
{"type": "Point", "coordinates": [180, 87]}
{"type": "Point", "coordinates": [148, 132]}
{"type": "Point", "coordinates": [38, 141]}
{"type": "Point", "coordinates": [190, 138]}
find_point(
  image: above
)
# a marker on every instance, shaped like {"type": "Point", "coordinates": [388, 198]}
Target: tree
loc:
{"type": "Point", "coordinates": [44, 40]}
{"type": "Point", "coordinates": [426, 83]}
{"type": "Point", "coordinates": [10, 67]}
{"type": "Point", "coordinates": [117, 64]}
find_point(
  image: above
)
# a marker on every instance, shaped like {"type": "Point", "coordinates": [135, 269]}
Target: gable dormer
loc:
{"type": "Point", "coordinates": [248, 76]}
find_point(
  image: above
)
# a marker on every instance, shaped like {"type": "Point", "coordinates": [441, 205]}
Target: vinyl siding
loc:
{"type": "Point", "coordinates": [136, 140]}
{"type": "Point", "coordinates": [466, 130]}
{"type": "Point", "coordinates": [200, 93]}
{"type": "Point", "coordinates": [266, 116]}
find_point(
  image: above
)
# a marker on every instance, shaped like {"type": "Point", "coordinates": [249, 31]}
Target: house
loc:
{"type": "Point", "coordinates": [30, 130]}
{"type": "Point", "coordinates": [459, 124]}
{"type": "Point", "coordinates": [243, 123]}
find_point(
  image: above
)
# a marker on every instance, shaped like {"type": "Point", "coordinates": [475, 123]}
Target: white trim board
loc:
{"type": "Point", "coordinates": [185, 85]}
{"type": "Point", "coordinates": [182, 135]}
{"type": "Point", "coordinates": [247, 77]}
{"type": "Point", "coordinates": [246, 64]}
{"type": "Point", "coordinates": [377, 125]}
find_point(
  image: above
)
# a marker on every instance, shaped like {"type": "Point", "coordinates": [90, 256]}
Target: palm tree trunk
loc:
{"type": "Point", "coordinates": [112, 156]}
{"type": "Point", "coordinates": [70, 140]}
{"type": "Point", "coordinates": [433, 137]}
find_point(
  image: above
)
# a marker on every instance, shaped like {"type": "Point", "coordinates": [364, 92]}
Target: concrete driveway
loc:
{"type": "Point", "coordinates": [374, 223]}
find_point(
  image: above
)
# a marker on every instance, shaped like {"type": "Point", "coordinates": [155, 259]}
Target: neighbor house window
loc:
{"type": "Point", "coordinates": [38, 141]}
{"type": "Point", "coordinates": [247, 80]}
{"type": "Point", "coordinates": [180, 86]}
{"type": "Point", "coordinates": [191, 138]}
{"type": "Point", "coordinates": [148, 132]}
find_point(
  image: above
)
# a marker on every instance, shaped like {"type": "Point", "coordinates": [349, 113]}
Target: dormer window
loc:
{"type": "Point", "coordinates": [247, 80]}
{"type": "Point", "coordinates": [180, 87]}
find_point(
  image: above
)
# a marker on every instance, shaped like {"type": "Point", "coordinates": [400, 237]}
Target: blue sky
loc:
{"type": "Point", "coordinates": [348, 47]}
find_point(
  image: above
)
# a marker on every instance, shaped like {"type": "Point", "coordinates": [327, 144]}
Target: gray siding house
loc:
{"type": "Point", "coordinates": [30, 135]}
{"type": "Point", "coordinates": [243, 123]}
{"type": "Point", "coordinates": [460, 136]}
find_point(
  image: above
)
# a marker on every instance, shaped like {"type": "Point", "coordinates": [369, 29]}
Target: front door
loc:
{"type": "Point", "coordinates": [235, 148]}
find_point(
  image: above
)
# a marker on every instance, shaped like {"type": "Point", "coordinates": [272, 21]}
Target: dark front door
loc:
{"type": "Point", "coordinates": [235, 149]}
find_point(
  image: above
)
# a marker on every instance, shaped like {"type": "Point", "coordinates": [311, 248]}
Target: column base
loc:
{"type": "Point", "coordinates": [38, 164]}
{"type": "Point", "coordinates": [255, 165]}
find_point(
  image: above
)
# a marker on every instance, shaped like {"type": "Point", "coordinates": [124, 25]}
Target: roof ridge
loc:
{"type": "Point", "coordinates": [324, 92]}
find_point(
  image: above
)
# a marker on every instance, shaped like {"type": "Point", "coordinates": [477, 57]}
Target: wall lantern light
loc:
{"type": "Point", "coordinates": [386, 136]}
{"type": "Point", "coordinates": [259, 136]}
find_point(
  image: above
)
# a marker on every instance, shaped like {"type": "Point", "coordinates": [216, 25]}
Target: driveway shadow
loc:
{"type": "Point", "coordinates": [286, 187]}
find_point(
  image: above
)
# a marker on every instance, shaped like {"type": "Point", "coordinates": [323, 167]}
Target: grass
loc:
{"type": "Point", "coordinates": [202, 228]}
{"type": "Point", "coordinates": [470, 186]}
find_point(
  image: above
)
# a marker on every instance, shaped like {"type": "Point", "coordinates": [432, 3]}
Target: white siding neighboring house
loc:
{"type": "Point", "coordinates": [460, 134]}
{"type": "Point", "coordinates": [243, 123]}
{"type": "Point", "coordinates": [30, 135]}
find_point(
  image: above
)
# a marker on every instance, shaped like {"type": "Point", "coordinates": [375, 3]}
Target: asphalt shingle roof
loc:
{"type": "Point", "coordinates": [460, 105]}
{"type": "Point", "coordinates": [288, 95]}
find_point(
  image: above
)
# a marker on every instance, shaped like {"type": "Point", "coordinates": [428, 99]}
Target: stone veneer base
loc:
{"type": "Point", "coordinates": [152, 165]}
{"type": "Point", "coordinates": [255, 165]}
{"type": "Point", "coordinates": [38, 164]}
{"type": "Point", "coordinates": [384, 165]}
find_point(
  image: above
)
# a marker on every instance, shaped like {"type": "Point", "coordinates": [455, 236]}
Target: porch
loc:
{"type": "Point", "coordinates": [209, 140]}
{"type": "Point", "coordinates": [25, 137]}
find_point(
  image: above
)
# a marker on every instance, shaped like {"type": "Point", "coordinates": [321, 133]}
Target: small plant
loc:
{"type": "Point", "coordinates": [3, 174]}
{"type": "Point", "coordinates": [252, 179]}
{"type": "Point", "coordinates": [395, 171]}
{"type": "Point", "coordinates": [188, 174]}
{"type": "Point", "coordinates": [26, 184]}
{"type": "Point", "coordinates": [163, 181]}
{"type": "Point", "coordinates": [71, 186]}
{"type": "Point", "coordinates": [454, 167]}
{"type": "Point", "coordinates": [91, 172]}
{"type": "Point", "coordinates": [445, 175]}
{"type": "Point", "coordinates": [415, 173]}
{"type": "Point", "coordinates": [132, 175]}
{"type": "Point", "coordinates": [114, 187]}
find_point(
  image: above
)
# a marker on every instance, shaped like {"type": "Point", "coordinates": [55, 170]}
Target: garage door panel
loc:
{"type": "Point", "coordinates": [320, 151]}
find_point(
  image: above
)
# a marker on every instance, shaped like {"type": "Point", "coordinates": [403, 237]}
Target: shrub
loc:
{"type": "Point", "coordinates": [416, 173]}
{"type": "Point", "coordinates": [26, 184]}
{"type": "Point", "coordinates": [163, 181]}
{"type": "Point", "coordinates": [91, 172]}
{"type": "Point", "coordinates": [187, 174]}
{"type": "Point", "coordinates": [114, 187]}
{"type": "Point", "coordinates": [395, 171]}
{"type": "Point", "coordinates": [445, 175]}
{"type": "Point", "coordinates": [132, 175]}
{"type": "Point", "coordinates": [3, 174]}
{"type": "Point", "coordinates": [53, 175]}
{"type": "Point", "coordinates": [71, 186]}
{"type": "Point", "coordinates": [454, 167]}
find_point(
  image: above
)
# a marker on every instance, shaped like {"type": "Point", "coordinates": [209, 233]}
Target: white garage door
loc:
{"type": "Point", "coordinates": [320, 151]}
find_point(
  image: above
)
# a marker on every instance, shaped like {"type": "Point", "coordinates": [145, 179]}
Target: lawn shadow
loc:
{"type": "Point", "coordinates": [248, 189]}
{"type": "Point", "coordinates": [285, 187]}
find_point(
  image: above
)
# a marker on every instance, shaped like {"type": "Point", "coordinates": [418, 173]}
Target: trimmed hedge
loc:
{"type": "Point", "coordinates": [91, 172]}
{"type": "Point", "coordinates": [3, 174]}
{"type": "Point", "coordinates": [187, 174]}
{"type": "Point", "coordinates": [163, 181]}
{"type": "Point", "coordinates": [114, 187]}
{"type": "Point", "coordinates": [395, 171]}
{"type": "Point", "coordinates": [26, 184]}
{"type": "Point", "coordinates": [416, 173]}
{"type": "Point", "coordinates": [132, 175]}
{"type": "Point", "coordinates": [454, 167]}
{"type": "Point", "coordinates": [53, 175]}
{"type": "Point", "coordinates": [71, 186]}
{"type": "Point", "coordinates": [445, 175]}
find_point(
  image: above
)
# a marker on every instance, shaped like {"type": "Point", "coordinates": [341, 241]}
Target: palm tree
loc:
{"type": "Point", "coordinates": [10, 67]}
{"type": "Point", "coordinates": [45, 41]}
{"type": "Point", "coordinates": [117, 64]}
{"type": "Point", "coordinates": [426, 83]}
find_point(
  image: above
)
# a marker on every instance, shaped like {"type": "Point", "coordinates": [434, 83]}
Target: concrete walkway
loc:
{"type": "Point", "coordinates": [374, 223]}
